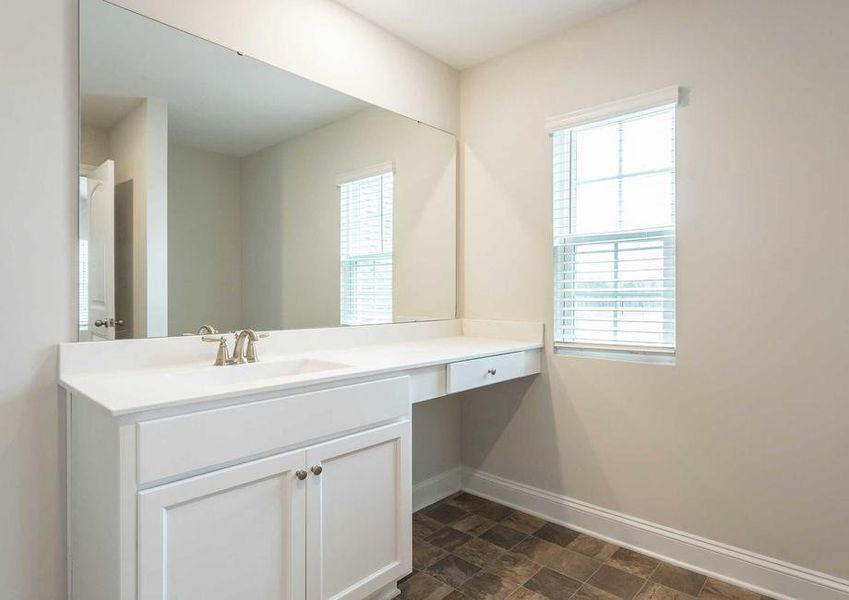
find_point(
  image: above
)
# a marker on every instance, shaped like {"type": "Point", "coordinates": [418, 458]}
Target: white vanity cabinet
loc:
{"type": "Point", "coordinates": [359, 516]}
{"type": "Point", "coordinates": [238, 532]}
{"type": "Point", "coordinates": [318, 513]}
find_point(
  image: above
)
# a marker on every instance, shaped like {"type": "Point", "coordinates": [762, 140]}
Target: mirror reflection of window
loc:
{"type": "Point", "coordinates": [83, 262]}
{"type": "Point", "coordinates": [366, 250]}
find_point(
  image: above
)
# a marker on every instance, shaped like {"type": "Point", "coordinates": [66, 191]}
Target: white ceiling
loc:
{"type": "Point", "coordinates": [463, 33]}
{"type": "Point", "coordinates": [217, 100]}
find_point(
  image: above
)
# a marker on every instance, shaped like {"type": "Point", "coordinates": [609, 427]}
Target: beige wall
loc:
{"type": "Point", "coordinates": [436, 437]}
{"type": "Point", "coordinates": [325, 42]}
{"type": "Point", "coordinates": [204, 252]}
{"type": "Point", "coordinates": [744, 439]}
{"type": "Point", "coordinates": [138, 144]}
{"type": "Point", "coordinates": [261, 221]}
{"type": "Point", "coordinates": [38, 222]}
{"type": "Point", "coordinates": [94, 145]}
{"type": "Point", "coordinates": [291, 210]}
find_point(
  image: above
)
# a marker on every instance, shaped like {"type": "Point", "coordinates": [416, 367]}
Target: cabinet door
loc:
{"type": "Point", "coordinates": [233, 534]}
{"type": "Point", "coordinates": [359, 529]}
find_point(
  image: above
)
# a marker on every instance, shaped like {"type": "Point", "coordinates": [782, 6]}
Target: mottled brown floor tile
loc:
{"type": "Point", "coordinates": [445, 513]}
{"type": "Point", "coordinates": [589, 592]}
{"type": "Point", "coordinates": [553, 585]}
{"type": "Point", "coordinates": [514, 567]}
{"type": "Point", "coordinates": [406, 577]}
{"type": "Point", "coordinates": [556, 534]}
{"type": "Point", "coordinates": [425, 554]}
{"type": "Point", "coordinates": [422, 586]}
{"type": "Point", "coordinates": [479, 552]}
{"type": "Point", "coordinates": [456, 595]}
{"type": "Point", "coordinates": [524, 593]}
{"type": "Point", "coordinates": [537, 550]}
{"type": "Point", "coordinates": [577, 566]}
{"type": "Point", "coordinates": [486, 586]}
{"type": "Point", "coordinates": [592, 547]}
{"type": "Point", "coordinates": [719, 590]}
{"type": "Point", "coordinates": [473, 524]}
{"type": "Point", "coordinates": [466, 501]}
{"type": "Point", "coordinates": [492, 511]}
{"type": "Point", "coordinates": [523, 522]}
{"type": "Point", "coordinates": [619, 583]}
{"type": "Point", "coordinates": [453, 570]}
{"type": "Point", "coordinates": [679, 579]}
{"type": "Point", "coordinates": [656, 591]}
{"type": "Point", "coordinates": [448, 538]}
{"type": "Point", "coordinates": [424, 526]}
{"type": "Point", "coordinates": [633, 562]}
{"type": "Point", "coordinates": [503, 536]}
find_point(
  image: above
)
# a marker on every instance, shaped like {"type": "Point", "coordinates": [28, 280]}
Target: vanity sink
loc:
{"type": "Point", "coordinates": [257, 371]}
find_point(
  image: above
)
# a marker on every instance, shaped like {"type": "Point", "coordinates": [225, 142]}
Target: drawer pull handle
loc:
{"type": "Point", "coordinates": [316, 470]}
{"type": "Point", "coordinates": [301, 474]}
{"type": "Point", "coordinates": [491, 372]}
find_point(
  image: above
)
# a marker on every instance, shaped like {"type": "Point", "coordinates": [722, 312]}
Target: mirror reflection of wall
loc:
{"type": "Point", "coordinates": [244, 196]}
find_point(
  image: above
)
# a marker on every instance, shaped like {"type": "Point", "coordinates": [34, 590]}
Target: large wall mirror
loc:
{"type": "Point", "coordinates": [218, 191]}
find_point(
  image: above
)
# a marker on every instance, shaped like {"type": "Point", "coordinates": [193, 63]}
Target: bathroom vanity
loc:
{"type": "Point", "coordinates": [265, 201]}
{"type": "Point", "coordinates": [286, 478]}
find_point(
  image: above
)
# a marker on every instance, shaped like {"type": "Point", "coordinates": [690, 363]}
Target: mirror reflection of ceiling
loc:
{"type": "Point", "coordinates": [217, 100]}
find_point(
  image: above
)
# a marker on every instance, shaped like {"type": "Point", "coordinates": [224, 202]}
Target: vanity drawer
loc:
{"type": "Point", "coordinates": [469, 374]}
{"type": "Point", "coordinates": [188, 443]}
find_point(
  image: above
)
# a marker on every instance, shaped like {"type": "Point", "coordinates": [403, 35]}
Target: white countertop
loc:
{"type": "Point", "coordinates": [127, 390]}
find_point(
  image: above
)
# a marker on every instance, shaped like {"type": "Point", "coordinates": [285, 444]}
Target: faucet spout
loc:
{"type": "Point", "coordinates": [240, 354]}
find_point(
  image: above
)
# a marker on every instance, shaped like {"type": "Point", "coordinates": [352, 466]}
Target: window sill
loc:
{"type": "Point", "coordinates": [623, 355]}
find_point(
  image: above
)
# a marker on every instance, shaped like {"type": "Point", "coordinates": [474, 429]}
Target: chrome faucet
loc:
{"type": "Point", "coordinates": [241, 354]}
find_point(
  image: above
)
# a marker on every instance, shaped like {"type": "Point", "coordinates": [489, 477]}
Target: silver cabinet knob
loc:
{"type": "Point", "coordinates": [316, 470]}
{"type": "Point", "coordinates": [301, 474]}
{"type": "Point", "coordinates": [491, 372]}
{"type": "Point", "coordinates": [101, 323]}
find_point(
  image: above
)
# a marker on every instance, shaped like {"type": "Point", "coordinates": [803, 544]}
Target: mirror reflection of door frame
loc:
{"type": "Point", "coordinates": [99, 250]}
{"type": "Point", "coordinates": [83, 326]}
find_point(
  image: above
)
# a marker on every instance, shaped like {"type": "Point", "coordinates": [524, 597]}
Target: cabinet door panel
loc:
{"type": "Point", "coordinates": [358, 513]}
{"type": "Point", "coordinates": [232, 534]}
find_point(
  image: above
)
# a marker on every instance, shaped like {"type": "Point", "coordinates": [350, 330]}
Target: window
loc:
{"type": "Point", "coordinates": [366, 246]}
{"type": "Point", "coordinates": [83, 255]}
{"type": "Point", "coordinates": [83, 285]}
{"type": "Point", "coordinates": [614, 230]}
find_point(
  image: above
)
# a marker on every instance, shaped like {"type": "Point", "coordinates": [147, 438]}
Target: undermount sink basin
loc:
{"type": "Point", "coordinates": [257, 371]}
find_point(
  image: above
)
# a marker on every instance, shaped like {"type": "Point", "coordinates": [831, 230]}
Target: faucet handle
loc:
{"type": "Point", "coordinates": [223, 356]}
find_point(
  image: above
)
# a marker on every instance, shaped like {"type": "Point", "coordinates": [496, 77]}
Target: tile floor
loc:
{"type": "Point", "coordinates": [468, 548]}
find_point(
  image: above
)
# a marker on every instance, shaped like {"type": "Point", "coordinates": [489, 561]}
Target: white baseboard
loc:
{"type": "Point", "coordinates": [770, 576]}
{"type": "Point", "coordinates": [437, 487]}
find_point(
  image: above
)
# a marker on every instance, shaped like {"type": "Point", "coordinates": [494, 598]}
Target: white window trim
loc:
{"type": "Point", "coordinates": [670, 95]}
{"type": "Point", "coordinates": [365, 172]}
{"type": "Point", "coordinates": [617, 108]}
{"type": "Point", "coordinates": [628, 353]}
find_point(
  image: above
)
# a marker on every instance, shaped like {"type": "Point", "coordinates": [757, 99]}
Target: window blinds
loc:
{"type": "Point", "coordinates": [366, 250]}
{"type": "Point", "coordinates": [83, 300]}
{"type": "Point", "coordinates": [614, 233]}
